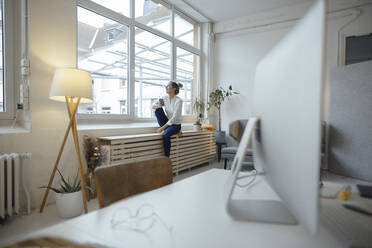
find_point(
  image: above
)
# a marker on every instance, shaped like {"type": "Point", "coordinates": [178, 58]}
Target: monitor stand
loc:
{"type": "Point", "coordinates": [271, 211]}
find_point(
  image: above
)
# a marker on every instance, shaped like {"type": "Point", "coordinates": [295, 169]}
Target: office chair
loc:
{"type": "Point", "coordinates": [117, 182]}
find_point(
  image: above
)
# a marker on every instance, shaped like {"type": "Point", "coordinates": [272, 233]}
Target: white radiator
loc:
{"type": "Point", "coordinates": [11, 178]}
{"type": "Point", "coordinates": [191, 149]}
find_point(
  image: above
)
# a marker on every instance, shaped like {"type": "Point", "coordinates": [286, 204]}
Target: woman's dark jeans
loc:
{"type": "Point", "coordinates": [168, 132]}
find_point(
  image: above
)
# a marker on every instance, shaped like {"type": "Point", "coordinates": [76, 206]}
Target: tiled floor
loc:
{"type": "Point", "coordinates": [23, 224]}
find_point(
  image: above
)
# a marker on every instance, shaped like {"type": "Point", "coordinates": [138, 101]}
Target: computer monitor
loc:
{"type": "Point", "coordinates": [287, 103]}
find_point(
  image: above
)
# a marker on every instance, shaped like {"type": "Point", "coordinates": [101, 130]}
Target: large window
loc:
{"type": "Point", "coordinates": [120, 6]}
{"type": "Point", "coordinates": [132, 55]}
{"type": "Point", "coordinates": [1, 61]}
{"type": "Point", "coordinates": [186, 29]}
{"type": "Point", "coordinates": [7, 98]}
{"type": "Point", "coordinates": [187, 75]}
{"type": "Point", "coordinates": [154, 14]}
{"type": "Point", "coordinates": [153, 70]}
{"type": "Point", "coordinates": [103, 50]}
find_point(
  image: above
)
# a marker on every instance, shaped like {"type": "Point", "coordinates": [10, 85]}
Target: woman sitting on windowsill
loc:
{"type": "Point", "coordinates": [171, 122]}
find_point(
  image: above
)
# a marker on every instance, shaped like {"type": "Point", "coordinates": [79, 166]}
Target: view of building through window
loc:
{"type": "Point", "coordinates": [2, 109]}
{"type": "Point", "coordinates": [153, 70]}
{"type": "Point", "coordinates": [186, 74]}
{"type": "Point", "coordinates": [120, 6]}
{"type": "Point", "coordinates": [186, 30]}
{"type": "Point", "coordinates": [154, 15]}
{"type": "Point", "coordinates": [103, 51]}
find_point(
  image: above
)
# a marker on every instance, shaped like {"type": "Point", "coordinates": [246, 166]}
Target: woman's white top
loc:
{"type": "Point", "coordinates": [173, 109]}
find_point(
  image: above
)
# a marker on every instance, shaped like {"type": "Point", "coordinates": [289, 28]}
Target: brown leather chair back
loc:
{"type": "Point", "coordinates": [236, 129]}
{"type": "Point", "coordinates": [114, 183]}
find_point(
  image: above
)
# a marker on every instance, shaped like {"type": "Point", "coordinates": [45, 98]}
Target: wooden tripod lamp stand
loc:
{"type": "Point", "coordinates": [73, 87]}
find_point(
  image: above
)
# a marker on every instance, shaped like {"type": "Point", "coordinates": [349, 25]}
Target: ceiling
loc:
{"type": "Point", "coordinates": [220, 10]}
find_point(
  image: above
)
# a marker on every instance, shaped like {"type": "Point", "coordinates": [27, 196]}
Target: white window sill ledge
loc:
{"type": "Point", "coordinates": [13, 130]}
{"type": "Point", "coordinates": [149, 126]}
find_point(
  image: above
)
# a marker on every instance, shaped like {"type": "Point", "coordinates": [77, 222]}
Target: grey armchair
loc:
{"type": "Point", "coordinates": [236, 130]}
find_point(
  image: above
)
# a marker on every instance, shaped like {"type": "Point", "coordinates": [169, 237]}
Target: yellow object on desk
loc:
{"type": "Point", "coordinates": [344, 195]}
{"type": "Point", "coordinates": [208, 127]}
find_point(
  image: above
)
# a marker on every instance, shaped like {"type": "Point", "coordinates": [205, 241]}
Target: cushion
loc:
{"type": "Point", "coordinates": [236, 130]}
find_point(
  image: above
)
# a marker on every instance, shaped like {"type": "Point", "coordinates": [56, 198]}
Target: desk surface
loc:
{"type": "Point", "coordinates": [195, 210]}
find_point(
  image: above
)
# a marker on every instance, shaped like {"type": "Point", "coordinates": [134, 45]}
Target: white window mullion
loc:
{"type": "Point", "coordinates": [151, 30]}
{"type": "Point", "coordinates": [199, 61]}
{"type": "Point", "coordinates": [131, 71]}
{"type": "Point", "coordinates": [8, 62]}
{"type": "Point", "coordinates": [173, 50]}
{"type": "Point", "coordinates": [187, 47]}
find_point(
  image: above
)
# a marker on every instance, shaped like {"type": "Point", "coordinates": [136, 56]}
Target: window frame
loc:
{"type": "Point", "coordinates": [195, 92]}
{"type": "Point", "coordinates": [8, 60]}
{"type": "Point", "coordinates": [132, 24]}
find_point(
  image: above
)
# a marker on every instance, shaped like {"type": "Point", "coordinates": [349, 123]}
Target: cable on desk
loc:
{"type": "Point", "coordinates": [343, 194]}
{"type": "Point", "coordinates": [253, 175]}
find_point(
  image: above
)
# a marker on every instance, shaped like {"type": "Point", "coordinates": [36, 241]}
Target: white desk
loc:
{"type": "Point", "coordinates": [194, 208]}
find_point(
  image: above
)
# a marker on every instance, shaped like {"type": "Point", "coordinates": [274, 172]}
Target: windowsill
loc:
{"type": "Point", "coordinates": [13, 130]}
{"type": "Point", "coordinates": [132, 125]}
{"type": "Point", "coordinates": [151, 126]}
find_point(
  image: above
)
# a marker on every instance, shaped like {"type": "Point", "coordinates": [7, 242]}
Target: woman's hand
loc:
{"type": "Point", "coordinates": [161, 129]}
{"type": "Point", "coordinates": [157, 106]}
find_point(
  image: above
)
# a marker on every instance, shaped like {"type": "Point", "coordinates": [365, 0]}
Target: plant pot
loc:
{"type": "Point", "coordinates": [69, 204]}
{"type": "Point", "coordinates": [220, 136]}
{"type": "Point", "coordinates": [197, 126]}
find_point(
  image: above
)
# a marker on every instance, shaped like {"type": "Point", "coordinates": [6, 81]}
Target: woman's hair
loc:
{"type": "Point", "coordinates": [177, 86]}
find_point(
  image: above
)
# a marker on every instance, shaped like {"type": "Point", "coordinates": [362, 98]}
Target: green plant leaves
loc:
{"type": "Point", "coordinates": [65, 185]}
{"type": "Point", "coordinates": [51, 188]}
{"type": "Point", "coordinates": [218, 96]}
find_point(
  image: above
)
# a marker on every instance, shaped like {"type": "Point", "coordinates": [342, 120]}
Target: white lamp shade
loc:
{"type": "Point", "coordinates": [72, 83]}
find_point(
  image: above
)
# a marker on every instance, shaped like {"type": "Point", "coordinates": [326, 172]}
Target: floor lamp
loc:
{"type": "Point", "coordinates": [73, 87]}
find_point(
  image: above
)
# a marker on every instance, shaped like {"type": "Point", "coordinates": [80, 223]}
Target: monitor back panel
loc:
{"type": "Point", "coordinates": [288, 99]}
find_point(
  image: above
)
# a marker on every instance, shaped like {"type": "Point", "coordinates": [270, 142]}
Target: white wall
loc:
{"type": "Point", "coordinates": [52, 44]}
{"type": "Point", "coordinates": [241, 43]}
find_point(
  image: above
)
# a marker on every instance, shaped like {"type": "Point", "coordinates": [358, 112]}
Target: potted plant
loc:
{"type": "Point", "coordinates": [216, 98]}
{"type": "Point", "coordinates": [95, 156]}
{"type": "Point", "coordinates": [199, 108]}
{"type": "Point", "coordinates": [69, 198]}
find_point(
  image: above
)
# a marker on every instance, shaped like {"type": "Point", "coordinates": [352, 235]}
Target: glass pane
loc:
{"type": "Point", "coordinates": [120, 6]}
{"type": "Point", "coordinates": [187, 75]}
{"type": "Point", "coordinates": [103, 51]}
{"type": "Point", "coordinates": [2, 108]}
{"type": "Point", "coordinates": [153, 71]}
{"type": "Point", "coordinates": [154, 15]}
{"type": "Point", "coordinates": [185, 30]}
